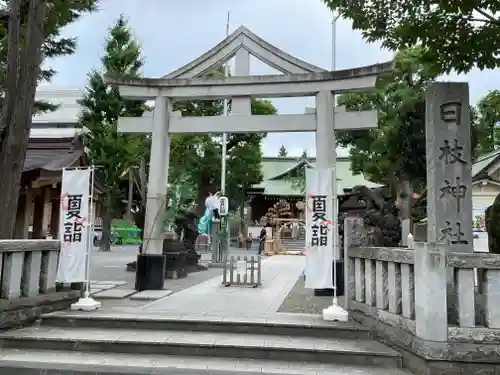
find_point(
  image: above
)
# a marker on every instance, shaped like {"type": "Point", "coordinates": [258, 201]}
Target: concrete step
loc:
{"type": "Point", "coordinates": [207, 344]}
{"type": "Point", "coordinates": [292, 248]}
{"type": "Point", "coordinates": [301, 244]}
{"type": "Point", "coordinates": [298, 246]}
{"type": "Point", "coordinates": [276, 324]}
{"type": "Point", "coordinates": [53, 362]}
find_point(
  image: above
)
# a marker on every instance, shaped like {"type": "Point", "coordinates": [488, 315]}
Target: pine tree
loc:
{"type": "Point", "coordinates": [113, 153]}
{"type": "Point", "coordinates": [282, 152]}
{"type": "Point", "coordinates": [29, 33]}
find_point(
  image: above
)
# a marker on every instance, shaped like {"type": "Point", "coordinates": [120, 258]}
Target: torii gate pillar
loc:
{"type": "Point", "coordinates": [151, 263]}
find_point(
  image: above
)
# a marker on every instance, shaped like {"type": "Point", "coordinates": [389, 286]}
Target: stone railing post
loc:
{"type": "Point", "coordinates": [12, 274]}
{"type": "Point", "coordinates": [354, 235]}
{"type": "Point", "coordinates": [431, 317]}
{"type": "Point", "coordinates": [49, 272]}
{"type": "Point", "coordinates": [31, 272]}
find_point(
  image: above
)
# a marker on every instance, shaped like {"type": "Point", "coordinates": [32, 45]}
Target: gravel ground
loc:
{"type": "Point", "coordinates": [302, 301]}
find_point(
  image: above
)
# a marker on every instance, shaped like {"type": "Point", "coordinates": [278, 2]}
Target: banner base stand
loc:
{"type": "Point", "coordinates": [86, 304]}
{"type": "Point", "coordinates": [150, 272]}
{"type": "Point", "coordinates": [335, 313]}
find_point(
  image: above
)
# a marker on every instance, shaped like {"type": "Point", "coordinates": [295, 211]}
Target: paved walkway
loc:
{"type": "Point", "coordinates": [279, 275]}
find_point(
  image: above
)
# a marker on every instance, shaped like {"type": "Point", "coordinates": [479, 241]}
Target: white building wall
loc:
{"type": "Point", "coordinates": [67, 113]}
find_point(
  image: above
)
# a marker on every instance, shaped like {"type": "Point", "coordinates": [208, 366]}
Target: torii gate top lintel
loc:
{"type": "Point", "coordinates": [300, 78]}
{"type": "Point", "coordinates": [242, 37]}
{"type": "Point", "coordinates": [268, 86]}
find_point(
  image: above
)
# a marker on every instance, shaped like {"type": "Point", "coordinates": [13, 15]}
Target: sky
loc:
{"type": "Point", "coordinates": [173, 32]}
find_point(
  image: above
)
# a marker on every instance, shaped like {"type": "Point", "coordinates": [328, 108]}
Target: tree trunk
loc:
{"type": "Point", "coordinates": [203, 191]}
{"type": "Point", "coordinates": [142, 179]}
{"type": "Point", "coordinates": [22, 76]}
{"type": "Point", "coordinates": [107, 217]}
{"type": "Point", "coordinates": [129, 215]}
{"type": "Point", "coordinates": [242, 210]}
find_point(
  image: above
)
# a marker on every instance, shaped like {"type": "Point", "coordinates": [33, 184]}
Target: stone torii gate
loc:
{"type": "Point", "coordinates": [299, 79]}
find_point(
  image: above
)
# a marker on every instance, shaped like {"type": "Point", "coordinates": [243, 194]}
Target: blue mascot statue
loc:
{"type": "Point", "coordinates": [211, 210]}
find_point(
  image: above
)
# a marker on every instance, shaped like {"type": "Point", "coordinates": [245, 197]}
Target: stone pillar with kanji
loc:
{"type": "Point", "coordinates": [449, 182]}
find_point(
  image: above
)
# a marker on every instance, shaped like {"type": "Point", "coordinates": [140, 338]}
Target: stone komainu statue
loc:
{"type": "Point", "coordinates": [381, 217]}
{"type": "Point", "coordinates": [492, 221]}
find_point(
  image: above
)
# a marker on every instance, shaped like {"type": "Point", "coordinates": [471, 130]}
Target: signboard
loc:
{"type": "Point", "coordinates": [74, 225]}
{"type": "Point", "coordinates": [319, 228]}
{"type": "Point", "coordinates": [223, 206]}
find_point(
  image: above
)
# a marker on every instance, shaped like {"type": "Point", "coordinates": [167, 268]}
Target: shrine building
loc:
{"type": "Point", "coordinates": [280, 176]}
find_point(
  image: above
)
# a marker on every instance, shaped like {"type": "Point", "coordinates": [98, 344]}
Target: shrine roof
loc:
{"type": "Point", "coordinates": [53, 154]}
{"type": "Point", "coordinates": [275, 169]}
{"type": "Point", "coordinates": [484, 163]}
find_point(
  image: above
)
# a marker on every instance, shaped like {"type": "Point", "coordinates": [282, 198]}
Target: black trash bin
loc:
{"type": "Point", "coordinates": [339, 282]}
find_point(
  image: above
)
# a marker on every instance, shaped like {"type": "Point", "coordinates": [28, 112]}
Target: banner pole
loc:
{"type": "Point", "coordinates": [335, 312]}
{"type": "Point", "coordinates": [90, 231]}
{"type": "Point", "coordinates": [87, 303]}
{"type": "Point", "coordinates": [333, 177]}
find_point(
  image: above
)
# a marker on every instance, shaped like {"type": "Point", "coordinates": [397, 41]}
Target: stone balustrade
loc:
{"type": "Point", "coordinates": [28, 270]}
{"type": "Point", "coordinates": [475, 309]}
{"type": "Point", "coordinates": [440, 309]}
{"type": "Point", "coordinates": [382, 284]}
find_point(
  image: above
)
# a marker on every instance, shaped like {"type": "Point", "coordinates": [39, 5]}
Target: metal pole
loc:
{"type": "Point", "coordinates": [130, 193]}
{"type": "Point", "coordinates": [142, 178]}
{"type": "Point", "coordinates": [90, 232]}
{"type": "Point", "coordinates": [224, 135]}
{"type": "Point", "coordinates": [224, 148]}
{"type": "Point", "coordinates": [334, 170]}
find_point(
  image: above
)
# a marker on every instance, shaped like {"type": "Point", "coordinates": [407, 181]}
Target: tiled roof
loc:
{"type": "Point", "coordinates": [276, 166]}
{"type": "Point", "coordinates": [52, 154]}
{"type": "Point", "coordinates": [480, 166]}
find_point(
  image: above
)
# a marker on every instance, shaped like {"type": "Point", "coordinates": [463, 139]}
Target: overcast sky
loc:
{"type": "Point", "coordinates": [174, 32]}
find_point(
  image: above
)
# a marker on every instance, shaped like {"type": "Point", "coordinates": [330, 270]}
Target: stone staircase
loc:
{"type": "Point", "coordinates": [294, 245]}
{"type": "Point", "coordinates": [103, 343]}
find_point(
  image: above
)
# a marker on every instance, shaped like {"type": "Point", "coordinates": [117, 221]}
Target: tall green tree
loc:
{"type": "Point", "coordinates": [488, 122]}
{"type": "Point", "coordinates": [282, 151]}
{"type": "Point", "coordinates": [30, 32]}
{"type": "Point", "coordinates": [113, 153]}
{"type": "Point", "coordinates": [457, 34]}
{"type": "Point", "coordinates": [394, 152]}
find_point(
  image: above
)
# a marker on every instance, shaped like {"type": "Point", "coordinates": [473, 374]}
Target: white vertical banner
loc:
{"type": "Point", "coordinates": [74, 225]}
{"type": "Point", "coordinates": [319, 228]}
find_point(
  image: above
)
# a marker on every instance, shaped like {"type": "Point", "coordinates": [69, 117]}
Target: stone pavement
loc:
{"type": "Point", "coordinates": [279, 274]}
